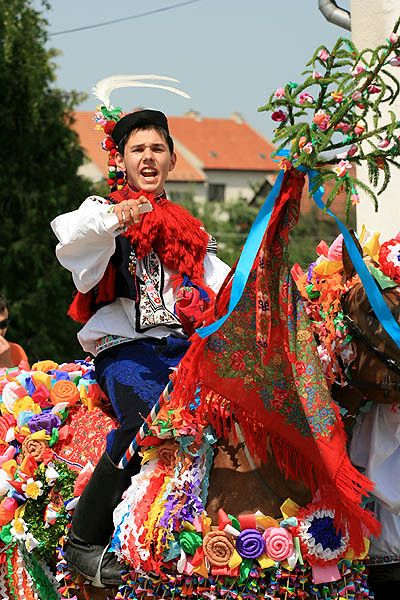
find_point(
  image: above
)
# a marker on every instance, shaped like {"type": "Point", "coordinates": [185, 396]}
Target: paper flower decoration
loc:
{"type": "Point", "coordinates": [218, 548]}
{"type": "Point", "coordinates": [278, 543]}
{"type": "Point", "coordinates": [250, 543]}
{"type": "Point", "coordinates": [320, 541]}
{"type": "Point", "coordinates": [389, 259]}
{"type": "Point", "coordinates": [32, 488]}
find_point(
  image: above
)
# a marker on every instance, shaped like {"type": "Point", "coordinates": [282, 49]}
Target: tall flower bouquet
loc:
{"type": "Point", "coordinates": [333, 118]}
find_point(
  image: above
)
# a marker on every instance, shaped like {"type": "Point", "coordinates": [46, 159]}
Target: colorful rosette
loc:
{"type": "Point", "coordinates": [250, 543]}
{"type": "Point", "coordinates": [64, 391]}
{"type": "Point", "coordinates": [278, 543]}
{"type": "Point", "coordinates": [321, 542]}
{"type": "Point", "coordinates": [218, 548]}
{"type": "Point", "coordinates": [389, 259]}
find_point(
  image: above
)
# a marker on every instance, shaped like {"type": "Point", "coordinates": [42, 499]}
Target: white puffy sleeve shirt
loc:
{"type": "Point", "coordinates": [86, 243]}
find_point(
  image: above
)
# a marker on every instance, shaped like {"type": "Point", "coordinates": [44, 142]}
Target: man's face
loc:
{"type": "Point", "coordinates": [3, 322]}
{"type": "Point", "coordinates": [147, 160]}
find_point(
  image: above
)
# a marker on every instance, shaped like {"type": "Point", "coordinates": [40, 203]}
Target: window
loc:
{"type": "Point", "coordinates": [216, 192]}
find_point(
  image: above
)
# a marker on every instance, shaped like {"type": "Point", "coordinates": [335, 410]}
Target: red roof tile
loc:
{"type": "Point", "coordinates": [184, 171]}
{"type": "Point", "coordinates": [90, 139]}
{"type": "Point", "coordinates": [223, 144]}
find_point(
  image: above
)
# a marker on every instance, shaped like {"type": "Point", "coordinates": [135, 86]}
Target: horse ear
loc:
{"type": "Point", "coordinates": [349, 270]}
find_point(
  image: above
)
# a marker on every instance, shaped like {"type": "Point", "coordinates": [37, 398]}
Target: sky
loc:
{"type": "Point", "coordinates": [229, 55]}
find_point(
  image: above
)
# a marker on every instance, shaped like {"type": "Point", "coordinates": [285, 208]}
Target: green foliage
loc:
{"type": "Point", "coordinates": [61, 491]}
{"type": "Point", "coordinates": [229, 223]}
{"type": "Point", "coordinates": [231, 232]}
{"type": "Point", "coordinates": [41, 155]}
{"type": "Point", "coordinates": [341, 96]}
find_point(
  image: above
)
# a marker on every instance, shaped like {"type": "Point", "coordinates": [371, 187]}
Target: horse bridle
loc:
{"type": "Point", "coordinates": [390, 363]}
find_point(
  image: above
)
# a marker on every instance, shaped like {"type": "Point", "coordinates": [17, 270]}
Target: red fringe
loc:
{"type": "Point", "coordinates": [178, 238]}
{"type": "Point", "coordinates": [80, 309]}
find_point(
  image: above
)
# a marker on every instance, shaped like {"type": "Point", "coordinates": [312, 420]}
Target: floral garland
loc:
{"type": "Point", "coordinates": [46, 517]}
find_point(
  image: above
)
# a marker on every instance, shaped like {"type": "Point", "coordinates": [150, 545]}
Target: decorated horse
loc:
{"type": "Point", "coordinates": [246, 488]}
{"type": "Point", "coordinates": [362, 363]}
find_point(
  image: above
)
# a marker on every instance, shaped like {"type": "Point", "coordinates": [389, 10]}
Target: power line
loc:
{"type": "Point", "coordinates": [138, 16]}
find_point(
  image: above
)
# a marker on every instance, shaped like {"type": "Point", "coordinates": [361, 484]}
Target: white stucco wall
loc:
{"type": "Point", "coordinates": [237, 185]}
{"type": "Point", "coordinates": [372, 21]}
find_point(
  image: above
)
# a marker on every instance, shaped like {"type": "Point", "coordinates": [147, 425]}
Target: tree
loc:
{"type": "Point", "coordinates": [38, 180]}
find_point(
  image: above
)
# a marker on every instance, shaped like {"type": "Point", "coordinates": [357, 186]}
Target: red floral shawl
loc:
{"type": "Point", "coordinates": [262, 369]}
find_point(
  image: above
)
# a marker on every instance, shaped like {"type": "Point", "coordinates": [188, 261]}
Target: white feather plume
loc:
{"type": "Point", "coordinates": [103, 88]}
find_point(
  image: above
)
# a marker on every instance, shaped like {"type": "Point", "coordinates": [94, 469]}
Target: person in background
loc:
{"type": "Point", "coordinates": [145, 269]}
{"type": "Point", "coordinates": [11, 354]}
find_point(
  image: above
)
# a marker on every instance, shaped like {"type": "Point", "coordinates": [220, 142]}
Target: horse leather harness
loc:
{"type": "Point", "coordinates": [390, 363]}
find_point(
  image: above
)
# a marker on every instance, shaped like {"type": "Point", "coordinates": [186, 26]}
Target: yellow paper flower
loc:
{"type": "Point", "coordinates": [44, 365]}
{"type": "Point", "coordinates": [18, 529]}
{"type": "Point", "coordinates": [25, 404]}
{"type": "Point", "coordinates": [32, 488]}
{"type": "Point", "coordinates": [39, 377]}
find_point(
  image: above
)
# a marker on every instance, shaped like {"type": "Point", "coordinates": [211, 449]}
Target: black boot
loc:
{"type": "Point", "coordinates": [92, 524]}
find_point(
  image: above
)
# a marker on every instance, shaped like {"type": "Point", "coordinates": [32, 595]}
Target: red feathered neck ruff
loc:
{"type": "Point", "coordinates": [178, 238]}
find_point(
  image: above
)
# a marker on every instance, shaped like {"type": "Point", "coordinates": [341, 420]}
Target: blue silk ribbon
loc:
{"type": "Point", "coordinates": [252, 246]}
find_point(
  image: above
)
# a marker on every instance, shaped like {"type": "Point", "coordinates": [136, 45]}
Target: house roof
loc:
{"type": "Point", "coordinates": [201, 145]}
{"type": "Point", "coordinates": [90, 139]}
{"type": "Point", "coordinates": [223, 144]}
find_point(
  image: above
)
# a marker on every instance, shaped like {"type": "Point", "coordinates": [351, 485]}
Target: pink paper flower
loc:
{"type": "Point", "coordinates": [352, 150]}
{"type": "Point", "coordinates": [278, 543]}
{"type": "Point", "coordinates": [335, 249]}
{"type": "Point", "coordinates": [359, 129]}
{"type": "Point", "coordinates": [384, 143]}
{"type": "Point", "coordinates": [393, 38]}
{"type": "Point", "coordinates": [358, 69]}
{"type": "Point", "coordinates": [279, 115]}
{"type": "Point", "coordinates": [343, 127]}
{"type": "Point", "coordinates": [322, 120]}
{"type": "Point", "coordinates": [373, 89]}
{"type": "Point", "coordinates": [395, 61]}
{"type": "Point", "coordinates": [355, 199]}
{"type": "Point", "coordinates": [323, 55]}
{"type": "Point", "coordinates": [305, 97]}
{"type": "Point", "coordinates": [341, 168]}
{"type": "Point", "coordinates": [316, 75]}
{"type": "Point", "coordinates": [356, 96]}
{"type": "Point", "coordinates": [279, 93]}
